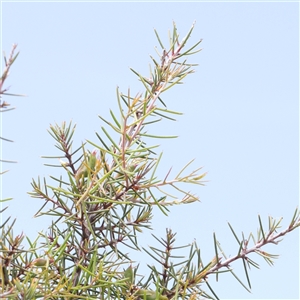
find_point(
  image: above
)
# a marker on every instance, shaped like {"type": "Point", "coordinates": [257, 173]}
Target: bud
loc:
{"type": "Point", "coordinates": [87, 166]}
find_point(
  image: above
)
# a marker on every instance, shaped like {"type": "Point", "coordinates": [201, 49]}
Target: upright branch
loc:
{"type": "Point", "coordinates": [3, 91]}
{"type": "Point", "coordinates": [109, 193]}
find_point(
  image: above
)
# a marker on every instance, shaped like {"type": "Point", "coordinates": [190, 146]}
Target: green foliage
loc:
{"type": "Point", "coordinates": [105, 198]}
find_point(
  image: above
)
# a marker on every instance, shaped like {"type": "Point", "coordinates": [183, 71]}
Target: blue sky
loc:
{"type": "Point", "coordinates": [240, 122]}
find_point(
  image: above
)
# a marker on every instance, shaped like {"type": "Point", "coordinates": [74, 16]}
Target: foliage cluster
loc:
{"type": "Point", "coordinates": [105, 199]}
